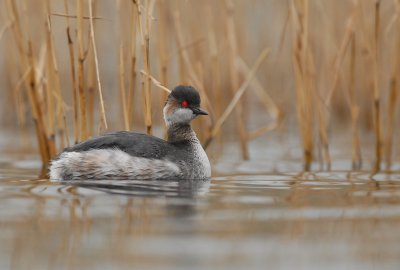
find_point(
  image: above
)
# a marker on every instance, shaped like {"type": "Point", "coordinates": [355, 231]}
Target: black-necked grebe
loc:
{"type": "Point", "coordinates": [129, 155]}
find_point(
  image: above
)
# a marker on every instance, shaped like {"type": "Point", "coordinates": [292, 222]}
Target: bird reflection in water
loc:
{"type": "Point", "coordinates": [179, 189]}
{"type": "Point", "coordinates": [181, 195]}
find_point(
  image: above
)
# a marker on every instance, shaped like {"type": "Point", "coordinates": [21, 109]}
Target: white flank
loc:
{"type": "Point", "coordinates": [110, 164]}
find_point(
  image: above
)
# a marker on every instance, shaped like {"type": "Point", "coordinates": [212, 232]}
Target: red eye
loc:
{"type": "Point", "coordinates": [185, 104]}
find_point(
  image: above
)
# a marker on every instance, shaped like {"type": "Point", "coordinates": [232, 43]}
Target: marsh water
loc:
{"type": "Point", "coordinates": [244, 218]}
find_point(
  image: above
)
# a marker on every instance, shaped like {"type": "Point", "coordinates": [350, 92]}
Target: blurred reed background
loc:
{"type": "Point", "coordinates": [71, 69]}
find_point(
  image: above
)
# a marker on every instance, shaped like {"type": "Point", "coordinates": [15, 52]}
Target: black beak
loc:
{"type": "Point", "coordinates": [199, 111]}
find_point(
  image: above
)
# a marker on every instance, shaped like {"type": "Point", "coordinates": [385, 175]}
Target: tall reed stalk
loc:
{"type": "Point", "coordinates": [376, 92]}
{"type": "Point", "coordinates": [301, 57]}
{"type": "Point", "coordinates": [71, 51]}
{"type": "Point", "coordinates": [81, 75]}
{"type": "Point", "coordinates": [234, 78]}
{"type": "Point", "coordinates": [393, 96]}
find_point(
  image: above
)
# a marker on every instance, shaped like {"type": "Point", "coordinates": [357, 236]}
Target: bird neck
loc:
{"type": "Point", "coordinates": [180, 132]}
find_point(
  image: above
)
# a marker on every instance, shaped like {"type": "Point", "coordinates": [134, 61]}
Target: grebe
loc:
{"type": "Point", "coordinates": [136, 156]}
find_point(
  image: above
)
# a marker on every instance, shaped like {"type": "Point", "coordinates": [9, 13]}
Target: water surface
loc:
{"type": "Point", "coordinates": [293, 220]}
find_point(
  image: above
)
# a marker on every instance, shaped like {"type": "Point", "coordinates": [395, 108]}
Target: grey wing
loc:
{"type": "Point", "coordinates": [135, 144]}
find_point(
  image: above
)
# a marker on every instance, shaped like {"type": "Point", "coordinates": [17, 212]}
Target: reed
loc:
{"type": "Point", "coordinates": [349, 40]}
{"type": "Point", "coordinates": [51, 86]}
{"type": "Point", "coordinates": [144, 23]}
{"type": "Point", "coordinates": [267, 101]}
{"type": "Point", "coordinates": [186, 63]}
{"type": "Point", "coordinates": [215, 67]}
{"type": "Point", "coordinates": [354, 110]}
{"type": "Point", "coordinates": [238, 94]}
{"type": "Point", "coordinates": [234, 78]}
{"type": "Point", "coordinates": [302, 67]}
{"type": "Point", "coordinates": [4, 29]}
{"type": "Point", "coordinates": [54, 76]}
{"type": "Point", "coordinates": [337, 76]}
{"type": "Point", "coordinates": [37, 113]}
{"type": "Point", "coordinates": [122, 90]}
{"type": "Point", "coordinates": [91, 89]}
{"type": "Point", "coordinates": [81, 69]}
{"type": "Point", "coordinates": [96, 65]}
{"type": "Point", "coordinates": [393, 95]}
{"type": "Point", "coordinates": [376, 92]}
{"type": "Point", "coordinates": [74, 91]}
{"type": "Point", "coordinates": [162, 53]}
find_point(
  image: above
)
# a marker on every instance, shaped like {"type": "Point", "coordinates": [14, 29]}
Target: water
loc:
{"type": "Point", "coordinates": [335, 220]}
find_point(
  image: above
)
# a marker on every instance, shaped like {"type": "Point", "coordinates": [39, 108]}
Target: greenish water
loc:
{"type": "Point", "coordinates": [335, 220]}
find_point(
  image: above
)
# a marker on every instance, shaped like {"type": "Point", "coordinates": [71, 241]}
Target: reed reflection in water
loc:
{"type": "Point", "coordinates": [325, 220]}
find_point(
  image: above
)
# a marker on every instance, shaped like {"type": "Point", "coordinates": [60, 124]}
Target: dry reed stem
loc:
{"type": "Point", "coordinates": [155, 82]}
{"type": "Point", "coordinates": [320, 111]}
{"type": "Point", "coordinates": [201, 130]}
{"type": "Point", "coordinates": [309, 103]}
{"type": "Point", "coordinates": [265, 99]}
{"type": "Point", "coordinates": [17, 30]}
{"type": "Point", "coordinates": [91, 83]}
{"type": "Point", "coordinates": [185, 64]}
{"type": "Point", "coordinates": [122, 89]}
{"type": "Point", "coordinates": [36, 111]}
{"type": "Point", "coordinates": [354, 110]}
{"type": "Point", "coordinates": [90, 88]}
{"type": "Point", "coordinates": [376, 92]}
{"type": "Point", "coordinates": [260, 91]}
{"type": "Point", "coordinates": [342, 52]}
{"type": "Point", "coordinates": [75, 17]}
{"type": "Point", "coordinates": [349, 39]}
{"type": "Point", "coordinates": [322, 116]}
{"type": "Point", "coordinates": [81, 79]}
{"type": "Point", "coordinates": [145, 42]}
{"type": "Point", "coordinates": [132, 77]}
{"type": "Point", "coordinates": [60, 114]}
{"type": "Point", "coordinates": [162, 56]}
{"type": "Point", "coordinates": [181, 63]}
{"type": "Point", "coordinates": [394, 19]}
{"type": "Point", "coordinates": [19, 99]}
{"type": "Point", "coordinates": [393, 101]}
{"type": "Point", "coordinates": [234, 78]}
{"type": "Point", "coordinates": [393, 85]}
{"type": "Point", "coordinates": [36, 102]}
{"type": "Point", "coordinates": [216, 82]}
{"type": "Point", "coordinates": [188, 46]}
{"type": "Point", "coordinates": [50, 122]}
{"type": "Point", "coordinates": [4, 28]}
{"type": "Point", "coordinates": [23, 59]}
{"type": "Point", "coordinates": [74, 91]}
{"type": "Point", "coordinates": [96, 61]}
{"type": "Point", "coordinates": [303, 92]}
{"type": "Point", "coordinates": [238, 94]}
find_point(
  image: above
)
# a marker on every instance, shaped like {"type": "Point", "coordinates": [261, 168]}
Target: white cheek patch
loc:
{"type": "Point", "coordinates": [180, 116]}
